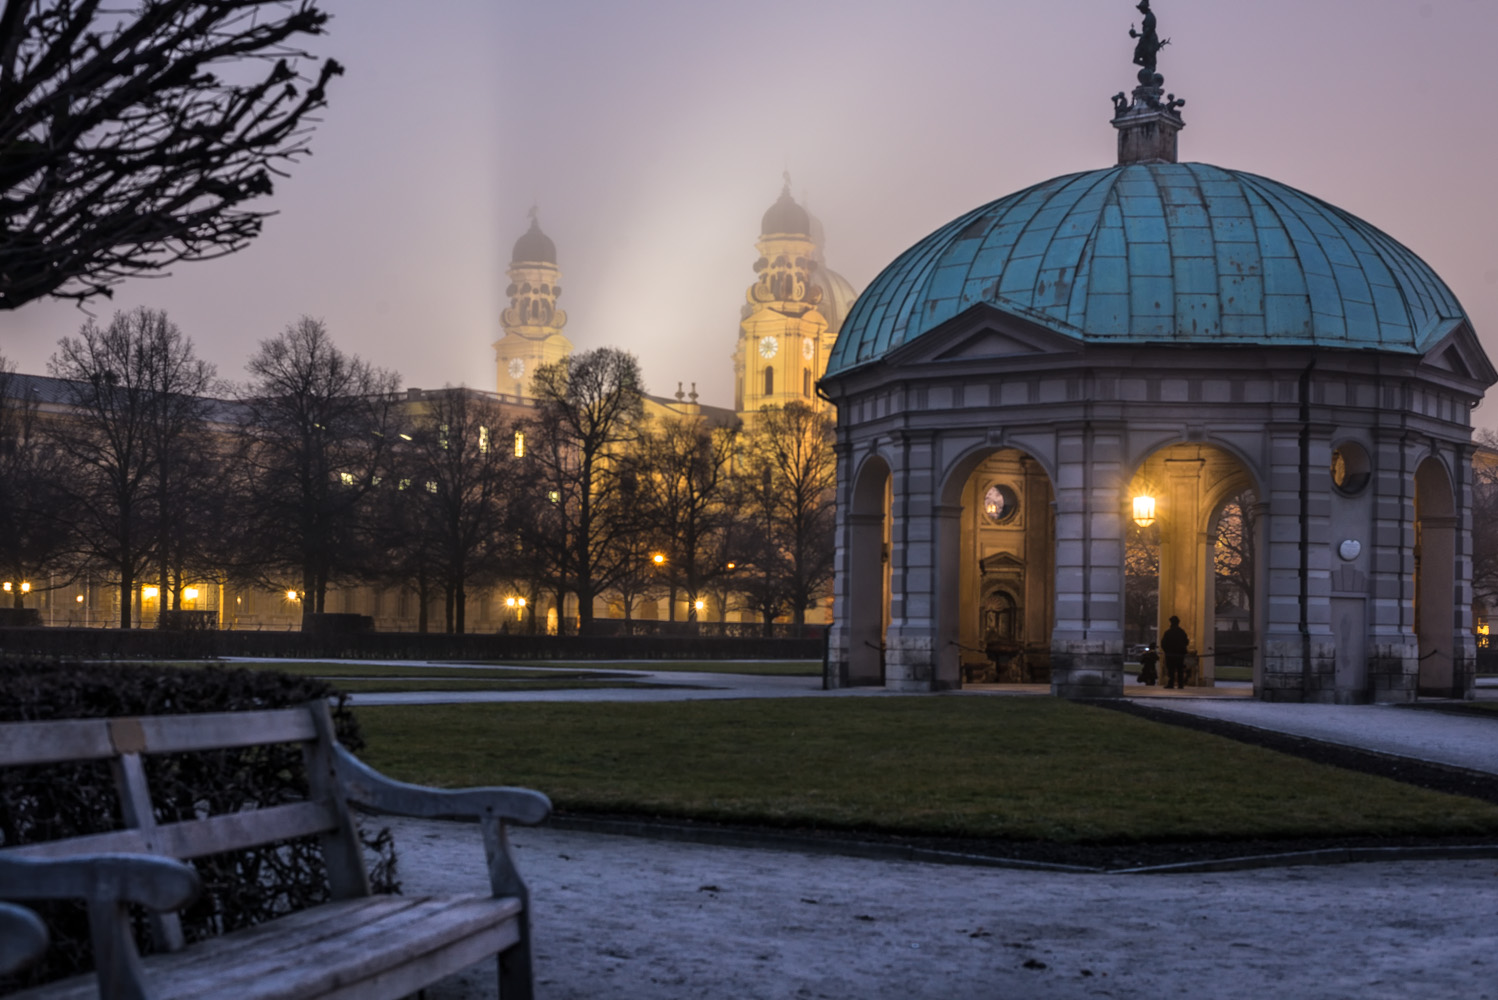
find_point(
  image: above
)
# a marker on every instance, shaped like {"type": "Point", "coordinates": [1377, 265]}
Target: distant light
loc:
{"type": "Point", "coordinates": [659, 559]}
{"type": "Point", "coordinates": [7, 586]}
{"type": "Point", "coordinates": [509, 602]}
{"type": "Point", "coordinates": [733, 565]}
{"type": "Point", "coordinates": [191, 593]}
{"type": "Point", "coordinates": [25, 588]}
{"type": "Point", "coordinates": [291, 595]}
{"type": "Point", "coordinates": [79, 598]}
{"type": "Point", "coordinates": [522, 602]}
{"type": "Point", "coordinates": [699, 604]}
{"type": "Point", "coordinates": [150, 592]}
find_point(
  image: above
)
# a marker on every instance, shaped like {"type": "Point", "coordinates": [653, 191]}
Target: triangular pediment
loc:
{"type": "Point", "coordinates": [984, 333]}
{"type": "Point", "coordinates": [1001, 563]}
{"type": "Point", "coordinates": [1460, 354]}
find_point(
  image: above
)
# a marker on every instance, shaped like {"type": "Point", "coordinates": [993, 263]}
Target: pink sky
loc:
{"type": "Point", "coordinates": [653, 133]}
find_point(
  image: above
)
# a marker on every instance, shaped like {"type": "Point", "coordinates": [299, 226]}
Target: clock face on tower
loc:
{"type": "Point", "coordinates": [808, 348]}
{"type": "Point", "coordinates": [768, 346]}
{"type": "Point", "coordinates": [517, 368]}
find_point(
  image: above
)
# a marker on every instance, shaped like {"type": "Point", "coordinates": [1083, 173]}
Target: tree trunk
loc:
{"type": "Point", "coordinates": [127, 586]}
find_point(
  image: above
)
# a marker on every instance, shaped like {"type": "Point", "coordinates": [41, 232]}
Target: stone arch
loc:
{"type": "Point", "coordinates": [1191, 482]}
{"type": "Point", "coordinates": [995, 569]}
{"type": "Point", "coordinates": [1436, 525]}
{"type": "Point", "coordinates": [868, 579]}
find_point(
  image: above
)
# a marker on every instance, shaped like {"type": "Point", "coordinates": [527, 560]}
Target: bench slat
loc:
{"type": "Point", "coordinates": [221, 730]}
{"type": "Point", "coordinates": [366, 949]}
{"type": "Point", "coordinates": [100, 739]}
{"type": "Point", "coordinates": [55, 742]}
{"type": "Point", "coordinates": [195, 838]}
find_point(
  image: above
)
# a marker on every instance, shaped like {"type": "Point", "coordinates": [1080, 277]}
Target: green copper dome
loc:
{"type": "Point", "coordinates": [1161, 253]}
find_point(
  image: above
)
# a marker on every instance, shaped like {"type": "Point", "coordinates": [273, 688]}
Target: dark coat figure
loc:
{"type": "Point", "coordinates": [1147, 662]}
{"type": "Point", "coordinates": [1174, 644]}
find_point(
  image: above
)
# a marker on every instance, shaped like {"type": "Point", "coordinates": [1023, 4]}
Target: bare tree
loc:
{"type": "Point", "coordinates": [1485, 521]}
{"type": "Point", "coordinates": [33, 535]}
{"type": "Point", "coordinates": [462, 471]}
{"type": "Point", "coordinates": [1233, 554]}
{"type": "Point", "coordinates": [792, 446]}
{"type": "Point", "coordinates": [316, 426]}
{"type": "Point", "coordinates": [133, 392]}
{"type": "Point", "coordinates": [134, 136]}
{"type": "Point", "coordinates": [590, 407]}
{"type": "Point", "coordinates": [682, 471]}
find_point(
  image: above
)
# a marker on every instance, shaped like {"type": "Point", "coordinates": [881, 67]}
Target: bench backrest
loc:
{"type": "Point", "coordinates": [122, 742]}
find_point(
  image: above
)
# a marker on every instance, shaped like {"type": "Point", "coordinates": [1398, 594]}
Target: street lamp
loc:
{"type": "Point", "coordinates": [291, 595]}
{"type": "Point", "coordinates": [1144, 511]}
{"type": "Point", "coordinates": [658, 558]}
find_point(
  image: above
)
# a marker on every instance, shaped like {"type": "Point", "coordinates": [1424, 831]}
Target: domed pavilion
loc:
{"type": "Point", "coordinates": [1078, 382]}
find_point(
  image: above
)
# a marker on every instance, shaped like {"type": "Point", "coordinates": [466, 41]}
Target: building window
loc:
{"type": "Point", "coordinates": [483, 440]}
{"type": "Point", "coordinates": [769, 381]}
{"type": "Point", "coordinates": [806, 381]}
{"type": "Point", "coordinates": [520, 444]}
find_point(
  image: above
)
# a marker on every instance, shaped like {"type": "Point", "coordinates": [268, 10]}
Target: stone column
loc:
{"type": "Point", "coordinates": [911, 654]}
{"type": "Point", "coordinates": [1087, 641]}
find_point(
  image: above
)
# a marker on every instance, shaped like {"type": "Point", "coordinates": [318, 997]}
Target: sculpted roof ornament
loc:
{"type": "Point", "coordinates": [1150, 94]}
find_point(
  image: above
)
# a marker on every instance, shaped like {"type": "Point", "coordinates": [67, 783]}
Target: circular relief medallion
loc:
{"type": "Point", "coordinates": [1349, 549]}
{"type": "Point", "coordinates": [768, 346]}
{"type": "Point", "coordinates": [1000, 504]}
{"type": "Point", "coordinates": [517, 368]}
{"type": "Point", "coordinates": [809, 348]}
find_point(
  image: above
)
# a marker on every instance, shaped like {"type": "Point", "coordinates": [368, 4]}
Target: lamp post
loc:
{"type": "Point", "coordinates": [1144, 510]}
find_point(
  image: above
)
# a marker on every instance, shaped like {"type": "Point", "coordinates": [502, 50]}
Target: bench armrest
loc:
{"type": "Point", "coordinates": [364, 786]}
{"type": "Point", "coordinates": [154, 882]}
{"type": "Point", "coordinates": [23, 938]}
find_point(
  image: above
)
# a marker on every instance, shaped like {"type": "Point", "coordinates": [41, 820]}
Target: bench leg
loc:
{"type": "Point", "coordinates": [515, 974]}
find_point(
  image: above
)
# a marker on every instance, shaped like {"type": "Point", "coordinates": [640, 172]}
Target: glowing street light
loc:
{"type": "Point", "coordinates": [25, 588]}
{"type": "Point", "coordinates": [79, 598]}
{"type": "Point", "coordinates": [291, 595]}
{"type": "Point", "coordinates": [699, 604]}
{"type": "Point", "coordinates": [658, 558]}
{"type": "Point", "coordinates": [1144, 511]}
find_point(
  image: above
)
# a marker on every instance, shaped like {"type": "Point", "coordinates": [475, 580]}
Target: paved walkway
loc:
{"type": "Point", "coordinates": [661, 920]}
{"type": "Point", "coordinates": [1457, 740]}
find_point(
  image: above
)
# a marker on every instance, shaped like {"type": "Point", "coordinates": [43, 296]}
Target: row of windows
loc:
{"type": "Point", "coordinates": [770, 381]}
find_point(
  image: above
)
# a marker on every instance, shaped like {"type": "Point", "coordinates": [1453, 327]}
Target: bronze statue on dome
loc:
{"type": "Point", "coordinates": [1147, 51]}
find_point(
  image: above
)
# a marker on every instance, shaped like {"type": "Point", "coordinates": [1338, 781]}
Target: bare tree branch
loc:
{"type": "Point", "coordinates": [131, 141]}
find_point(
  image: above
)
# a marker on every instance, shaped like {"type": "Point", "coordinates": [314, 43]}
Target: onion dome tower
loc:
{"type": "Point", "coordinates": [785, 335]}
{"type": "Point", "coordinates": [532, 323]}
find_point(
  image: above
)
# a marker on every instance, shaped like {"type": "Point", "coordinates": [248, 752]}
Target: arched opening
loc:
{"type": "Point", "coordinates": [1001, 525]}
{"type": "Point", "coordinates": [868, 579]}
{"type": "Point", "coordinates": [1190, 553]}
{"type": "Point", "coordinates": [769, 381]}
{"type": "Point", "coordinates": [1435, 579]}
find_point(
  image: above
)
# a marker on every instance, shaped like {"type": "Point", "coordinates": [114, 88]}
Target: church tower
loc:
{"type": "Point", "coordinates": [532, 323]}
{"type": "Point", "coordinates": [794, 312]}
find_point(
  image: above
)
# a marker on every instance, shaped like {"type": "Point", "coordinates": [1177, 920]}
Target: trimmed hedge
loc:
{"type": "Point", "coordinates": [56, 801]}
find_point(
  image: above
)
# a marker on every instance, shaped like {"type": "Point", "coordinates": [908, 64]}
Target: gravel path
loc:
{"type": "Point", "coordinates": [653, 920]}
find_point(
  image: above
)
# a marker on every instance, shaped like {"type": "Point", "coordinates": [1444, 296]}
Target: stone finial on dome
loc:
{"type": "Point", "coordinates": [1148, 122]}
{"type": "Point", "coordinates": [534, 246]}
{"type": "Point", "coordinates": [785, 216]}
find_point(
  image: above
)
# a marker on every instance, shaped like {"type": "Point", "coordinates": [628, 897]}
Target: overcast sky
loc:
{"type": "Point", "coordinates": [652, 135]}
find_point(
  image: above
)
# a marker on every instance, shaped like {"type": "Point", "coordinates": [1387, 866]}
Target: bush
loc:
{"type": "Point", "coordinates": [57, 801]}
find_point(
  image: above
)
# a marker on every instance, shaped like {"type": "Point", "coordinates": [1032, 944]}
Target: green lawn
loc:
{"type": "Point", "coordinates": [1024, 769]}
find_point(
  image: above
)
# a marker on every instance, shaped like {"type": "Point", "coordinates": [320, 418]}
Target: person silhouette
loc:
{"type": "Point", "coordinates": [1174, 644]}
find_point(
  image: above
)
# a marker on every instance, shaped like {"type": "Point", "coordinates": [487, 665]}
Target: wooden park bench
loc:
{"type": "Point", "coordinates": [357, 946]}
